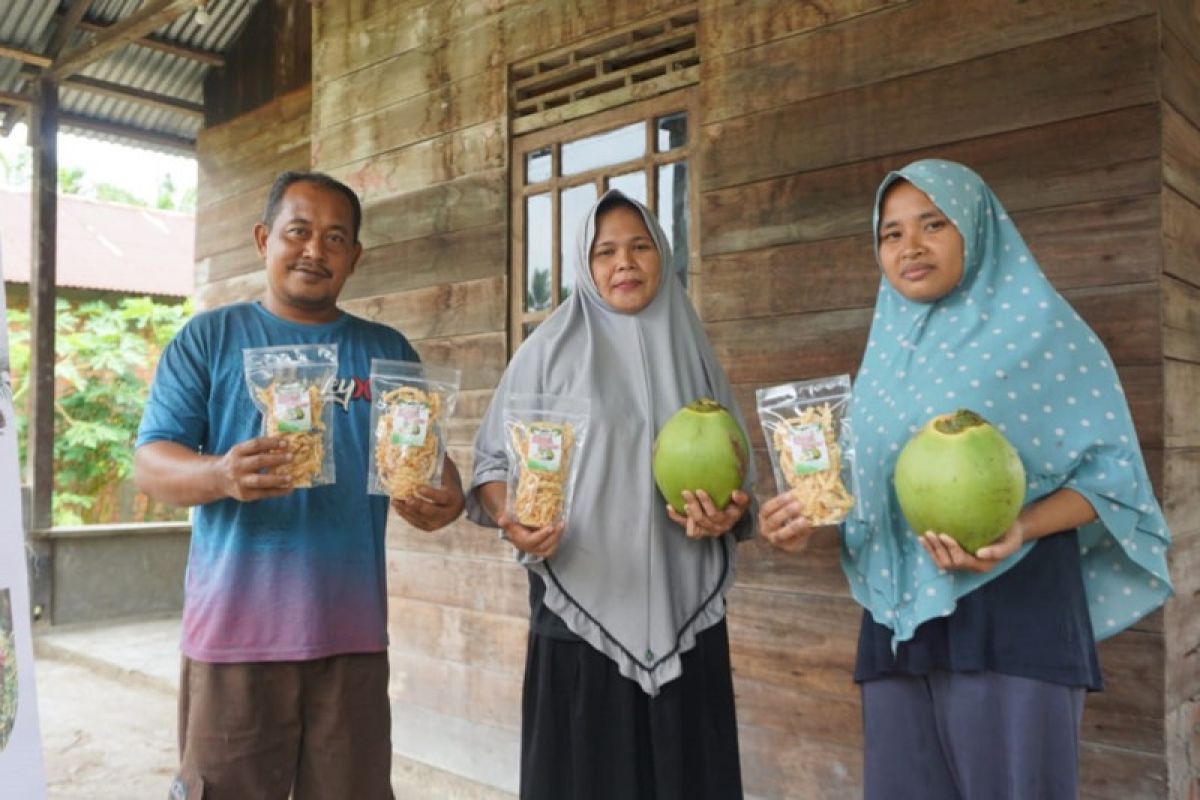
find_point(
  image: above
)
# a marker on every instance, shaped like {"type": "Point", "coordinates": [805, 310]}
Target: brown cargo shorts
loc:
{"type": "Point", "coordinates": [317, 730]}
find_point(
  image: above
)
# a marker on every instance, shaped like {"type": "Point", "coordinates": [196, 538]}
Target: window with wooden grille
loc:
{"type": "Point", "coordinates": [647, 150]}
{"type": "Point", "coordinates": [618, 111]}
{"type": "Point", "coordinates": [641, 60]}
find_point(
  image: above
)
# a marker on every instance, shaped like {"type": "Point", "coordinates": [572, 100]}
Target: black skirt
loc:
{"type": "Point", "coordinates": [1031, 622]}
{"type": "Point", "coordinates": [588, 733]}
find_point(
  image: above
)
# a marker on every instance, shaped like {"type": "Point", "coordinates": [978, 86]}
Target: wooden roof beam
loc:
{"type": "Point", "coordinates": [154, 139]}
{"type": "Point", "coordinates": [153, 15]}
{"type": "Point", "coordinates": [25, 56]}
{"type": "Point", "coordinates": [151, 42]}
{"type": "Point", "coordinates": [121, 92]}
{"type": "Point", "coordinates": [67, 22]}
{"type": "Point", "coordinates": [82, 83]}
{"type": "Point", "coordinates": [164, 141]}
{"type": "Point", "coordinates": [16, 99]}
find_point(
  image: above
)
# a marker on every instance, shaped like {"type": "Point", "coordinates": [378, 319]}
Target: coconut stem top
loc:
{"type": "Point", "coordinates": [705, 405]}
{"type": "Point", "coordinates": [961, 420]}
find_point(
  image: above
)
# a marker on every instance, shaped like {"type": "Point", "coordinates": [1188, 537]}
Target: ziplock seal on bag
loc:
{"type": "Point", "coordinates": [286, 383]}
{"type": "Point", "coordinates": [807, 430]}
{"type": "Point", "coordinates": [544, 437]}
{"type": "Point", "coordinates": [411, 404]}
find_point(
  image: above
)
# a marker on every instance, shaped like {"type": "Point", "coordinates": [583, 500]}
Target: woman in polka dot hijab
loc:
{"type": "Point", "coordinates": [974, 668]}
{"type": "Point", "coordinates": [1005, 344]}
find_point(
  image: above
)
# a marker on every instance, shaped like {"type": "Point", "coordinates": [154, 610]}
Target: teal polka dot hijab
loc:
{"type": "Point", "coordinates": [1005, 344]}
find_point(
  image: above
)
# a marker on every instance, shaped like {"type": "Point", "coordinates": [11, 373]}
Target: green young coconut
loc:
{"type": "Point", "coordinates": [700, 447]}
{"type": "Point", "coordinates": [959, 476]}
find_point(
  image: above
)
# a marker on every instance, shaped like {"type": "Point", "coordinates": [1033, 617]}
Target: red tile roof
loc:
{"type": "Point", "coordinates": [105, 246]}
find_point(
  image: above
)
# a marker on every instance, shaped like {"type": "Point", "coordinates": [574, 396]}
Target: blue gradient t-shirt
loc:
{"type": "Point", "coordinates": [290, 578]}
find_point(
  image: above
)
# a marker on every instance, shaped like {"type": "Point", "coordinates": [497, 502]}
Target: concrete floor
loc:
{"type": "Point", "coordinates": [106, 702]}
{"type": "Point", "coordinates": [102, 738]}
{"type": "Point", "coordinates": [106, 698]}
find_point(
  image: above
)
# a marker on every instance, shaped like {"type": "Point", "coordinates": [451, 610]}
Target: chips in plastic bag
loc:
{"type": "Point", "coordinates": [545, 439]}
{"type": "Point", "coordinates": [287, 383]}
{"type": "Point", "coordinates": [411, 404]}
{"type": "Point", "coordinates": [808, 438]}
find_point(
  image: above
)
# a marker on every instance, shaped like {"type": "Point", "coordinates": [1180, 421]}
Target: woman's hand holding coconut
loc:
{"type": "Point", "coordinates": [1065, 509]}
{"type": "Point", "coordinates": [703, 518]}
{"type": "Point", "coordinates": [947, 553]}
{"type": "Point", "coordinates": [700, 458]}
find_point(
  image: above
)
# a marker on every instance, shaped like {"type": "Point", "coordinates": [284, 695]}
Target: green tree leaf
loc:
{"type": "Point", "coordinates": [105, 356]}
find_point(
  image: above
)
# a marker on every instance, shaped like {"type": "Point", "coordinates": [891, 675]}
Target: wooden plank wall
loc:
{"type": "Point", "coordinates": [271, 57]}
{"type": "Point", "coordinates": [805, 107]}
{"type": "Point", "coordinates": [1180, 59]}
{"type": "Point", "coordinates": [237, 162]}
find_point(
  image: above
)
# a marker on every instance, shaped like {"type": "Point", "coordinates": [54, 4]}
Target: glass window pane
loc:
{"type": "Point", "coordinates": [576, 202]}
{"type": "Point", "coordinates": [673, 212]}
{"type": "Point", "coordinates": [633, 184]}
{"type": "Point", "coordinates": [528, 328]}
{"type": "Point", "coordinates": [671, 131]}
{"type": "Point", "coordinates": [537, 166]}
{"type": "Point", "coordinates": [539, 250]}
{"type": "Point", "coordinates": [611, 147]}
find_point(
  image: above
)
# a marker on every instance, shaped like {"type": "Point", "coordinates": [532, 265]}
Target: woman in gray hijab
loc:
{"type": "Point", "coordinates": [628, 690]}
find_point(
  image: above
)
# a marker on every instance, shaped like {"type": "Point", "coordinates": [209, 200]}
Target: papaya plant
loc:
{"type": "Point", "coordinates": [104, 361]}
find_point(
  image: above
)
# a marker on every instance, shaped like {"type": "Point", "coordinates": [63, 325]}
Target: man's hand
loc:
{"type": "Point", "coordinates": [434, 507]}
{"type": "Point", "coordinates": [703, 519]}
{"type": "Point", "coordinates": [173, 473]}
{"type": "Point", "coordinates": [431, 507]}
{"type": "Point", "coordinates": [243, 472]}
{"type": "Point", "coordinates": [782, 523]}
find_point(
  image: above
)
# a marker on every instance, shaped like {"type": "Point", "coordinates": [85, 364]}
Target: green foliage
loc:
{"type": "Point", "coordinates": [166, 194]}
{"type": "Point", "coordinates": [537, 296]}
{"type": "Point", "coordinates": [105, 357]}
{"type": "Point", "coordinates": [70, 180]}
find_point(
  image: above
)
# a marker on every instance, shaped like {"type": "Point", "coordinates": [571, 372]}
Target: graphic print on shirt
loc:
{"type": "Point", "coordinates": [340, 391]}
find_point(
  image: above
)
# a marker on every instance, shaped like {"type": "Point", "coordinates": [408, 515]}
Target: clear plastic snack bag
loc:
{"type": "Point", "coordinates": [807, 430]}
{"type": "Point", "coordinates": [287, 383]}
{"type": "Point", "coordinates": [545, 438]}
{"type": "Point", "coordinates": [411, 404]}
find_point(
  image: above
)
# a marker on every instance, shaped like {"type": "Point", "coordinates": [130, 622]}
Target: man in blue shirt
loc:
{"type": "Point", "coordinates": [284, 685]}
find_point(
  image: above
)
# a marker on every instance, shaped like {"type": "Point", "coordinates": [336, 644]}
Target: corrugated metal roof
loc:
{"type": "Point", "coordinates": [29, 25]}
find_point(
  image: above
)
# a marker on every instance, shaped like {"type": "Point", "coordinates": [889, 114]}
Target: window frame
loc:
{"type": "Point", "coordinates": [648, 111]}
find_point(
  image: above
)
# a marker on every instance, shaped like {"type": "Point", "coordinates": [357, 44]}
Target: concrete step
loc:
{"type": "Point", "coordinates": [142, 651]}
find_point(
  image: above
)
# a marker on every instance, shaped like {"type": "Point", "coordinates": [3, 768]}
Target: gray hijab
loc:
{"type": "Point", "coordinates": [625, 577]}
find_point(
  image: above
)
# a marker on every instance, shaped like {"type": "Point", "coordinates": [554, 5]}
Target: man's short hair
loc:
{"type": "Point", "coordinates": [286, 179]}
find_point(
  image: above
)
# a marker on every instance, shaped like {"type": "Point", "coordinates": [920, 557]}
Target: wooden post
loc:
{"type": "Point", "coordinates": [42, 297]}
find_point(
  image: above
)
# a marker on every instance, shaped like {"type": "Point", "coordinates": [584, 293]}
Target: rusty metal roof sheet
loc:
{"type": "Point", "coordinates": [105, 246]}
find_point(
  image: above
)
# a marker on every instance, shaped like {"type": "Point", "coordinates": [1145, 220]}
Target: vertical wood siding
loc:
{"type": "Point", "coordinates": [1180, 297]}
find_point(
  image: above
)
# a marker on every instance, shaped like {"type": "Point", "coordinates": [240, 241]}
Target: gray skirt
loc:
{"type": "Point", "coordinates": [970, 736]}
